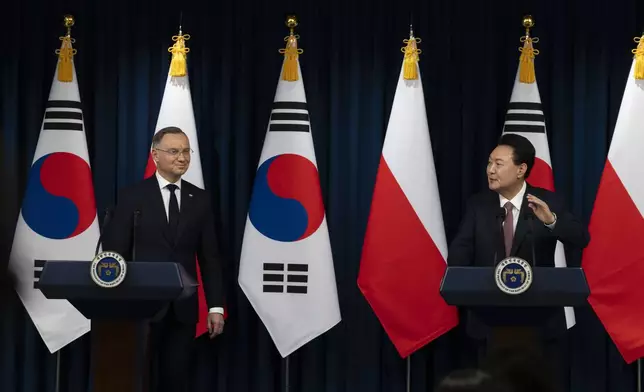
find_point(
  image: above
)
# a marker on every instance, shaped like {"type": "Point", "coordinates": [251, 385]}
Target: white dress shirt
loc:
{"type": "Point", "coordinates": [517, 201]}
{"type": "Point", "coordinates": [165, 194]}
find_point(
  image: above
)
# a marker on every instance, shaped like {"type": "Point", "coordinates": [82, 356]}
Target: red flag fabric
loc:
{"type": "Point", "coordinates": [405, 251]}
{"type": "Point", "coordinates": [614, 259]}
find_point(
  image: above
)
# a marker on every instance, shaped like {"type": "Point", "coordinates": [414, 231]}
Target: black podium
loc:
{"type": "Point", "coordinates": [117, 312]}
{"type": "Point", "coordinates": [475, 286]}
{"type": "Point", "coordinates": [513, 319]}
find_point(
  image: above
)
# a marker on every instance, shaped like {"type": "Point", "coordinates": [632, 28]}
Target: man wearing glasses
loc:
{"type": "Point", "coordinates": [175, 224]}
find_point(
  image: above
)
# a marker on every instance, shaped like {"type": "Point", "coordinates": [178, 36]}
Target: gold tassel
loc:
{"type": "Point", "coordinates": [291, 53]}
{"type": "Point", "coordinates": [290, 70]}
{"type": "Point", "coordinates": [178, 65]}
{"type": "Point", "coordinates": [410, 63]}
{"type": "Point", "coordinates": [526, 61]}
{"type": "Point", "coordinates": [66, 53]}
{"type": "Point", "coordinates": [639, 58]}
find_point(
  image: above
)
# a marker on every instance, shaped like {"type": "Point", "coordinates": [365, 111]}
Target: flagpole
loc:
{"type": "Point", "coordinates": [287, 383]}
{"type": "Point", "coordinates": [409, 373]}
{"type": "Point", "coordinates": [639, 375]}
{"type": "Point", "coordinates": [58, 371]}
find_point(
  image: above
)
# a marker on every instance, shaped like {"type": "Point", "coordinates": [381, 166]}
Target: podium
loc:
{"type": "Point", "coordinates": [514, 317]}
{"type": "Point", "coordinates": [117, 313]}
{"type": "Point", "coordinates": [551, 287]}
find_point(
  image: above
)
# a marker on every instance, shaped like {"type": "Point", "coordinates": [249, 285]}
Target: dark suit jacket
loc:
{"type": "Point", "coordinates": [479, 242]}
{"type": "Point", "coordinates": [195, 238]}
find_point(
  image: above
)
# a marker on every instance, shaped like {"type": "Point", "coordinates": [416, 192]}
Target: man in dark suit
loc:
{"type": "Point", "coordinates": [510, 198]}
{"type": "Point", "coordinates": [175, 224]}
{"type": "Point", "coordinates": [512, 218]}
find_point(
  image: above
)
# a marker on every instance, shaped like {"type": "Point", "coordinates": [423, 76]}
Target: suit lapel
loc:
{"type": "Point", "coordinates": [156, 204]}
{"type": "Point", "coordinates": [522, 224]}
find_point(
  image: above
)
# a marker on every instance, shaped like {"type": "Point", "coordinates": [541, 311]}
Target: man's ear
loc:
{"type": "Point", "coordinates": [523, 168]}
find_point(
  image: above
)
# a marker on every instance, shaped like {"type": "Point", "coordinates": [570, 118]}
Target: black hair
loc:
{"type": "Point", "coordinates": [523, 150]}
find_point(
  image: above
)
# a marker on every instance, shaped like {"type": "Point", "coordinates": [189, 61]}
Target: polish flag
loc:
{"type": "Point", "coordinates": [405, 250]}
{"type": "Point", "coordinates": [525, 117]}
{"type": "Point", "coordinates": [614, 259]}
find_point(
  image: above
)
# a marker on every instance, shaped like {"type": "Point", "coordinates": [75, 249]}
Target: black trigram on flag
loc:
{"type": "Point", "coordinates": [289, 117]}
{"type": "Point", "coordinates": [38, 266]}
{"type": "Point", "coordinates": [525, 117]}
{"type": "Point", "coordinates": [295, 278]}
{"type": "Point", "coordinates": [63, 116]}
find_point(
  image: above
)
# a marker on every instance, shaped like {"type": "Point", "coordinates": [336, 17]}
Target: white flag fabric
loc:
{"type": "Point", "coordinates": [57, 219]}
{"type": "Point", "coordinates": [525, 117]}
{"type": "Point", "coordinates": [286, 267]}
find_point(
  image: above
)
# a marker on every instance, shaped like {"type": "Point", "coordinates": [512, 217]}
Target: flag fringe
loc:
{"type": "Point", "coordinates": [65, 59]}
{"type": "Point", "coordinates": [639, 58]}
{"type": "Point", "coordinates": [526, 61]}
{"type": "Point", "coordinates": [410, 63]}
{"type": "Point", "coordinates": [178, 65]}
{"type": "Point", "coordinates": [291, 54]}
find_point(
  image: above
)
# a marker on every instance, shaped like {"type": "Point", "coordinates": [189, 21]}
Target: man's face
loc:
{"type": "Point", "coordinates": [502, 173]}
{"type": "Point", "coordinates": [172, 155]}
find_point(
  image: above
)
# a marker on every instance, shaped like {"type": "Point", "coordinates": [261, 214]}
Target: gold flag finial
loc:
{"type": "Point", "coordinates": [178, 64]}
{"type": "Point", "coordinates": [291, 53]}
{"type": "Point", "coordinates": [66, 52]}
{"type": "Point", "coordinates": [411, 51]}
{"type": "Point", "coordinates": [639, 57]}
{"type": "Point", "coordinates": [526, 61]}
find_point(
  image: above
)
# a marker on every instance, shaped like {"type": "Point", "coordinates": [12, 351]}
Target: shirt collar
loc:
{"type": "Point", "coordinates": [517, 200]}
{"type": "Point", "coordinates": [163, 182]}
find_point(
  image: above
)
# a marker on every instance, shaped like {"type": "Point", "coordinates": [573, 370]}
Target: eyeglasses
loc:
{"type": "Point", "coordinates": [174, 152]}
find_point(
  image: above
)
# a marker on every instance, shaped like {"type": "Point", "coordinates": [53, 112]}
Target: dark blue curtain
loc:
{"type": "Point", "coordinates": [350, 67]}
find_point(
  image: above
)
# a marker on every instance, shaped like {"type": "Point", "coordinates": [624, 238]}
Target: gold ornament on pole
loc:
{"type": "Point", "coordinates": [411, 51]}
{"type": "Point", "coordinates": [526, 61]}
{"type": "Point", "coordinates": [178, 64]}
{"type": "Point", "coordinates": [66, 52]}
{"type": "Point", "coordinates": [291, 53]}
{"type": "Point", "coordinates": [639, 57]}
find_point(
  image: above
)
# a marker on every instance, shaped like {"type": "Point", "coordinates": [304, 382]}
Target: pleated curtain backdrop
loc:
{"type": "Point", "coordinates": [350, 66]}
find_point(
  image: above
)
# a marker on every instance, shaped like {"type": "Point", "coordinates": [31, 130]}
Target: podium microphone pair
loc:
{"type": "Point", "coordinates": [106, 220]}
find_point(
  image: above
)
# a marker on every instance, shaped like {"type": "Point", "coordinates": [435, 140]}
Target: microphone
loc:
{"type": "Point", "coordinates": [135, 225]}
{"type": "Point", "coordinates": [107, 216]}
{"type": "Point", "coordinates": [500, 216]}
{"type": "Point", "coordinates": [529, 216]}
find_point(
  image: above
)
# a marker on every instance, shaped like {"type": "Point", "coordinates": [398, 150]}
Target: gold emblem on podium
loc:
{"type": "Point", "coordinates": [513, 275]}
{"type": "Point", "coordinates": [108, 269]}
